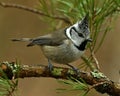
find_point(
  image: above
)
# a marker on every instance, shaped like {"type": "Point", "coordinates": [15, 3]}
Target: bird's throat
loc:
{"type": "Point", "coordinates": [82, 46]}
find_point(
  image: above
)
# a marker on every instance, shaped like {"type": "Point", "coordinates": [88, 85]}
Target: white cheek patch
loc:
{"type": "Point", "coordinates": [68, 32]}
{"type": "Point", "coordinates": [73, 36]}
{"type": "Point", "coordinates": [68, 29]}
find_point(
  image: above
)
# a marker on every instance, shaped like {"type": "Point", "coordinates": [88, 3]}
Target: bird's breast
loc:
{"type": "Point", "coordinates": [64, 53]}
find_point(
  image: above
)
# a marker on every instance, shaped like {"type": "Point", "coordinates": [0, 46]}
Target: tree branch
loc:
{"type": "Point", "coordinates": [8, 5]}
{"type": "Point", "coordinates": [101, 84]}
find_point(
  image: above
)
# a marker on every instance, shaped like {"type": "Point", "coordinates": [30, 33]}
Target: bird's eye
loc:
{"type": "Point", "coordinates": [80, 34]}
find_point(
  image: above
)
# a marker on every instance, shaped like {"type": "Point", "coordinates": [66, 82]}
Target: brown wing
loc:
{"type": "Point", "coordinates": [53, 39]}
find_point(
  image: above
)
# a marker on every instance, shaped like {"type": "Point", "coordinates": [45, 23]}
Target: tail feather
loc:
{"type": "Point", "coordinates": [30, 44]}
{"type": "Point", "coordinates": [22, 39]}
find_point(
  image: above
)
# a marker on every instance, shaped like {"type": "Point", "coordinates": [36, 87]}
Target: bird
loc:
{"type": "Point", "coordinates": [65, 45]}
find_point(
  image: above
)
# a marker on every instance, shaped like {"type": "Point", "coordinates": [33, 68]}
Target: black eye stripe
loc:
{"type": "Point", "coordinates": [74, 29]}
{"type": "Point", "coordinates": [80, 34]}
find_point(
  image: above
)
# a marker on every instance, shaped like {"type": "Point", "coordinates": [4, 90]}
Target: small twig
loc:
{"type": "Point", "coordinates": [33, 10]}
{"type": "Point", "coordinates": [95, 85]}
{"type": "Point", "coordinates": [12, 88]}
{"type": "Point", "coordinates": [119, 80]}
{"type": "Point", "coordinates": [96, 61]}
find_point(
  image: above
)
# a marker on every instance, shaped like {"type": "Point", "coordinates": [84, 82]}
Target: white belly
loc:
{"type": "Point", "coordinates": [64, 53]}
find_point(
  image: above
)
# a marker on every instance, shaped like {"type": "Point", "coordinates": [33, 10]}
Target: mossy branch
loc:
{"type": "Point", "coordinates": [100, 82]}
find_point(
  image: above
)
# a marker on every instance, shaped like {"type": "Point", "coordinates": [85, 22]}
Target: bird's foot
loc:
{"type": "Point", "coordinates": [50, 66]}
{"type": "Point", "coordinates": [76, 70]}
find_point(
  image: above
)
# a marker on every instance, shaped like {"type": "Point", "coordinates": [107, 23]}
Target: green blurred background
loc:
{"type": "Point", "coordinates": [15, 23]}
